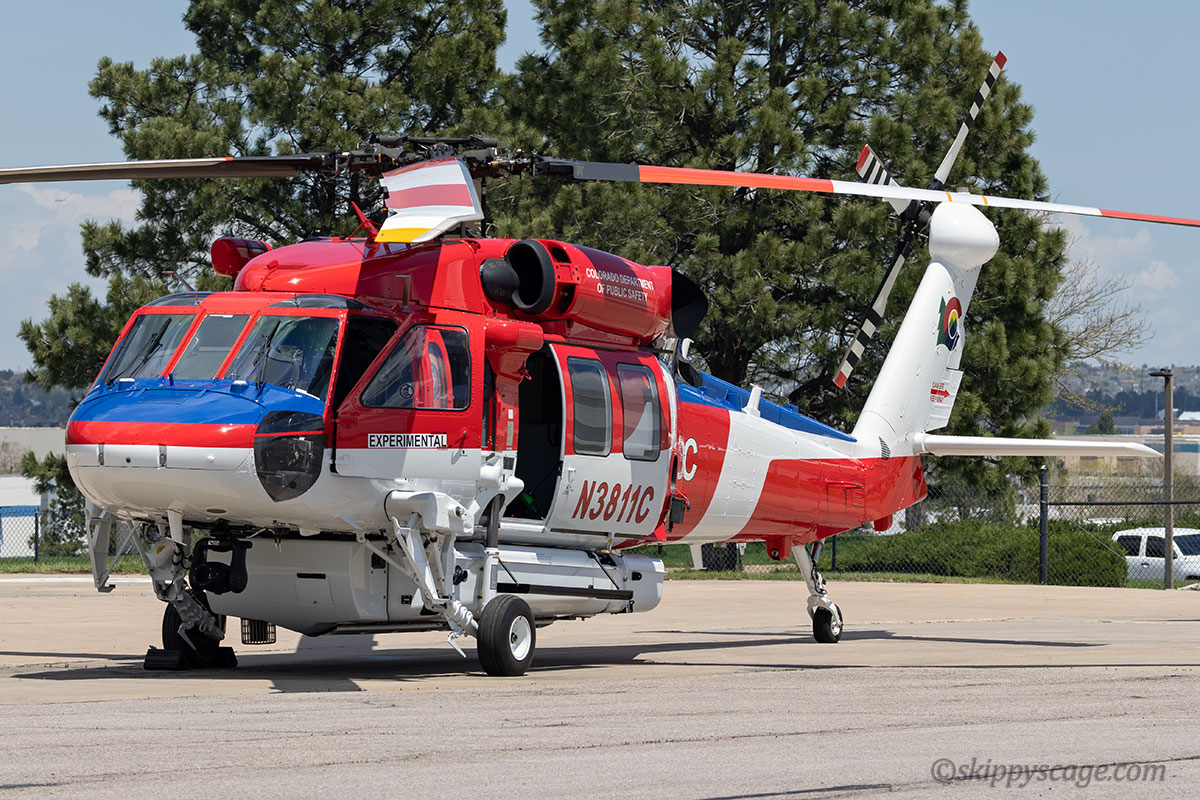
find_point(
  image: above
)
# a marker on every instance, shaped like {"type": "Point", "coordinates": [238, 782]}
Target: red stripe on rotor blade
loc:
{"type": "Point", "coordinates": [862, 157]}
{"type": "Point", "coordinates": [717, 177]}
{"type": "Point", "coordinates": [1001, 59]}
{"type": "Point", "coordinates": [447, 194]}
{"type": "Point", "coordinates": [1193, 223]}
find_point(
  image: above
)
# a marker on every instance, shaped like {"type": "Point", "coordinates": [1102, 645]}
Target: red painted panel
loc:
{"type": "Point", "coordinates": [175, 434]}
{"type": "Point", "coordinates": [702, 437]}
{"type": "Point", "coordinates": [811, 499]}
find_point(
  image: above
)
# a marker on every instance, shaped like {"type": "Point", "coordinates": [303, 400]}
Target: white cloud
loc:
{"type": "Point", "coordinates": [22, 238]}
{"type": "Point", "coordinates": [1163, 275]}
{"type": "Point", "coordinates": [40, 252]}
{"type": "Point", "coordinates": [117, 204]}
{"type": "Point", "coordinates": [1157, 277]}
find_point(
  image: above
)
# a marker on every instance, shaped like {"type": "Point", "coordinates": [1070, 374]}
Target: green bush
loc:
{"type": "Point", "coordinates": [972, 549]}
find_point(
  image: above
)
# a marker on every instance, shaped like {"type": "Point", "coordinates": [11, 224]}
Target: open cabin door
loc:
{"type": "Point", "coordinates": [616, 443]}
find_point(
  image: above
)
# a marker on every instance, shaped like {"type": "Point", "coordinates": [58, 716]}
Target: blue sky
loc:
{"type": "Point", "coordinates": [1111, 84]}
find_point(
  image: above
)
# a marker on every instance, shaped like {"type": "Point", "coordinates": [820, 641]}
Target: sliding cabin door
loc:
{"type": "Point", "coordinates": [616, 453]}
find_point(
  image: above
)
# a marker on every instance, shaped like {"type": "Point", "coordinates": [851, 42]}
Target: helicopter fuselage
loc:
{"type": "Point", "coordinates": [340, 371]}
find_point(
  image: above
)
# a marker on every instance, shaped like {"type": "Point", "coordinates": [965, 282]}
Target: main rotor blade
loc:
{"type": "Point", "coordinates": [639, 173]}
{"type": "Point", "coordinates": [224, 167]}
{"type": "Point", "coordinates": [943, 170]}
{"type": "Point", "coordinates": [874, 316]}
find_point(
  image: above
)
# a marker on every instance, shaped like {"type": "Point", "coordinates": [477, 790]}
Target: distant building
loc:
{"type": "Point", "coordinates": [40, 440]}
{"type": "Point", "coordinates": [20, 505]}
{"type": "Point", "coordinates": [1187, 454]}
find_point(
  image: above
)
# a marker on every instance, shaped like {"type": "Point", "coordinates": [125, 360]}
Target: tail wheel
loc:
{"type": "Point", "coordinates": [826, 628]}
{"type": "Point", "coordinates": [206, 651]}
{"type": "Point", "coordinates": [506, 636]}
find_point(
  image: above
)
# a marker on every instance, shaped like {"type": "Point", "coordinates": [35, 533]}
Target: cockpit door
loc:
{"type": "Point", "coordinates": [616, 455]}
{"type": "Point", "coordinates": [414, 420]}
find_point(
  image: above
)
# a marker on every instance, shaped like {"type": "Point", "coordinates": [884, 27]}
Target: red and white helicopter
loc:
{"type": "Point", "coordinates": [425, 429]}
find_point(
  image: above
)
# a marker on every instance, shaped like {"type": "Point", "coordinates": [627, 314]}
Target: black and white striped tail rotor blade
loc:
{"type": "Point", "coordinates": [871, 169]}
{"type": "Point", "coordinates": [874, 316]}
{"type": "Point", "coordinates": [943, 170]}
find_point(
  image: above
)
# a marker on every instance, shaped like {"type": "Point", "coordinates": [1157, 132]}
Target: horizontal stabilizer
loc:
{"type": "Point", "coordinates": [997, 446]}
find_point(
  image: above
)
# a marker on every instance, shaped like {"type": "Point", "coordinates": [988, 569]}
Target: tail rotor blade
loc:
{"type": "Point", "coordinates": [872, 170]}
{"type": "Point", "coordinates": [943, 170]}
{"type": "Point", "coordinates": [874, 316]}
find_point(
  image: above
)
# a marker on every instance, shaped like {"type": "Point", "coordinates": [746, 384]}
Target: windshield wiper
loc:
{"type": "Point", "coordinates": [155, 343]}
{"type": "Point", "coordinates": [261, 358]}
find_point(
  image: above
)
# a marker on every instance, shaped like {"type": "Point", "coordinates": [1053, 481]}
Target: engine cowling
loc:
{"type": "Point", "coordinates": [545, 280]}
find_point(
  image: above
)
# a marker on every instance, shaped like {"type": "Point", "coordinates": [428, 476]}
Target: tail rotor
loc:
{"type": "Point", "coordinates": [914, 216]}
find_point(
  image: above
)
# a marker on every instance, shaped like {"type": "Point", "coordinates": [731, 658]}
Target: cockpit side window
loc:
{"type": "Point", "coordinates": [147, 347]}
{"type": "Point", "coordinates": [429, 368]}
{"type": "Point", "coordinates": [292, 352]}
{"type": "Point", "coordinates": [209, 346]}
{"type": "Point", "coordinates": [365, 338]}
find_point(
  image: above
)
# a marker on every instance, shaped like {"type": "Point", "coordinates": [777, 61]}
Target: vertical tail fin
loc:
{"type": "Point", "coordinates": [919, 380]}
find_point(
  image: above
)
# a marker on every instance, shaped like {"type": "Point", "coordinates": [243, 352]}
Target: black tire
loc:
{"type": "Point", "coordinates": [825, 630]}
{"type": "Point", "coordinates": [507, 636]}
{"type": "Point", "coordinates": [207, 650]}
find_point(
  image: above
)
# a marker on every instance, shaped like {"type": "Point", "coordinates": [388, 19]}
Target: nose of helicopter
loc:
{"type": "Point", "coordinates": [148, 448]}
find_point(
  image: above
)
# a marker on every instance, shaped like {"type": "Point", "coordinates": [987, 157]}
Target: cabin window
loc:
{"type": "Point", "coordinates": [641, 428]}
{"type": "Point", "coordinates": [209, 346]}
{"type": "Point", "coordinates": [1156, 547]}
{"type": "Point", "coordinates": [292, 352]}
{"type": "Point", "coordinates": [592, 433]}
{"type": "Point", "coordinates": [429, 368]}
{"type": "Point", "coordinates": [148, 347]}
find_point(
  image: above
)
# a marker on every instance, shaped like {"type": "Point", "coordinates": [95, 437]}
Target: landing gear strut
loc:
{"type": "Point", "coordinates": [191, 633]}
{"type": "Point", "coordinates": [197, 650]}
{"type": "Point", "coordinates": [826, 616]}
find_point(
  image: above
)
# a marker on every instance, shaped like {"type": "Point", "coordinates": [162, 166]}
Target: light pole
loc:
{"type": "Point", "coordinates": [1168, 458]}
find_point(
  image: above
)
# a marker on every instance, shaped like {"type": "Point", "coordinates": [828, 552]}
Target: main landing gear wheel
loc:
{"type": "Point", "coordinates": [207, 651]}
{"type": "Point", "coordinates": [826, 628]}
{"type": "Point", "coordinates": [506, 636]}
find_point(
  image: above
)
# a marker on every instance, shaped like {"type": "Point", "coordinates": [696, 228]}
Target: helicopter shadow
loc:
{"type": "Point", "coordinates": [339, 664]}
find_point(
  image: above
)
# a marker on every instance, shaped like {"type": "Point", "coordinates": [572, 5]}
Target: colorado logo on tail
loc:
{"type": "Point", "coordinates": [949, 333]}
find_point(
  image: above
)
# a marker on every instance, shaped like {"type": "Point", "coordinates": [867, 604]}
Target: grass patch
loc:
{"type": "Point", "coordinates": [1142, 583]}
{"type": "Point", "coordinates": [129, 565]}
{"type": "Point", "coordinates": [794, 575]}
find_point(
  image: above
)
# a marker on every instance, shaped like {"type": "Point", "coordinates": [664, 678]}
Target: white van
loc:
{"type": "Point", "coordinates": [1145, 553]}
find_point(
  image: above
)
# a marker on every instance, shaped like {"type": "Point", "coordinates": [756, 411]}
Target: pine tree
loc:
{"type": "Point", "coordinates": [794, 88]}
{"type": "Point", "coordinates": [270, 77]}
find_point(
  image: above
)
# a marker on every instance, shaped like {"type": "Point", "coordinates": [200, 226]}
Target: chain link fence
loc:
{"type": "Point", "coordinates": [34, 539]}
{"type": "Point", "coordinates": [1102, 533]}
{"type": "Point", "coordinates": [1097, 534]}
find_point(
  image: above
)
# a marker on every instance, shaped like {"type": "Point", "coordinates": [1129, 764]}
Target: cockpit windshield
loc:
{"type": "Point", "coordinates": [208, 347]}
{"type": "Point", "coordinates": [292, 352]}
{"type": "Point", "coordinates": [149, 345]}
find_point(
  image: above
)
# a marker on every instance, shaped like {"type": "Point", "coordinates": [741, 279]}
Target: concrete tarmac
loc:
{"type": "Point", "coordinates": [719, 693]}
